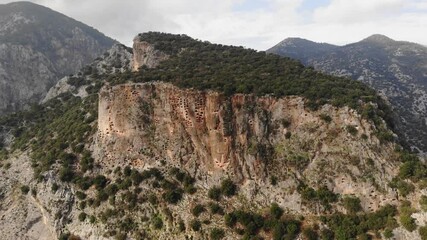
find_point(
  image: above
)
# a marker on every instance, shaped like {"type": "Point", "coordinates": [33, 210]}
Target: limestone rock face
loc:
{"type": "Point", "coordinates": [245, 137]}
{"type": "Point", "coordinates": [146, 55]}
{"type": "Point", "coordinates": [37, 48]}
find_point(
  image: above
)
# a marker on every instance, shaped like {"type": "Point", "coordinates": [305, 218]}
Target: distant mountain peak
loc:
{"type": "Point", "coordinates": [378, 38]}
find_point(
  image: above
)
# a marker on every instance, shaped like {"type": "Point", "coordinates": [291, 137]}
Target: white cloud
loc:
{"type": "Point", "coordinates": [345, 11]}
{"type": "Point", "coordinates": [341, 21]}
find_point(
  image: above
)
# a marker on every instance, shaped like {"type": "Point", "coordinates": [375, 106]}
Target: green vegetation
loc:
{"type": "Point", "coordinates": [423, 232]}
{"type": "Point", "coordinates": [423, 203]}
{"type": "Point", "coordinates": [405, 216]}
{"type": "Point", "coordinates": [228, 188]}
{"type": "Point", "coordinates": [352, 130]}
{"type": "Point", "coordinates": [309, 234]}
{"type": "Point", "coordinates": [197, 210]}
{"type": "Point", "coordinates": [25, 189]}
{"type": "Point", "coordinates": [323, 195]}
{"type": "Point", "coordinates": [276, 211]}
{"type": "Point", "coordinates": [217, 234]}
{"type": "Point", "coordinates": [157, 222]}
{"type": "Point", "coordinates": [352, 204]}
{"type": "Point", "coordinates": [82, 216]}
{"type": "Point", "coordinates": [350, 226]}
{"type": "Point", "coordinates": [388, 233]}
{"type": "Point", "coordinates": [326, 118]}
{"type": "Point", "coordinates": [195, 225]}
{"type": "Point", "coordinates": [228, 69]}
{"type": "Point", "coordinates": [215, 208]}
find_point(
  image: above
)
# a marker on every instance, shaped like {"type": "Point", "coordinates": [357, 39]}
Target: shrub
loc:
{"type": "Point", "coordinates": [423, 202]}
{"type": "Point", "coordinates": [326, 118]}
{"type": "Point", "coordinates": [55, 187]}
{"type": "Point", "coordinates": [228, 188]}
{"type": "Point", "coordinates": [309, 234]}
{"type": "Point", "coordinates": [388, 233]}
{"type": "Point", "coordinates": [82, 216]}
{"type": "Point", "coordinates": [288, 135]}
{"type": "Point", "coordinates": [352, 204]}
{"type": "Point", "coordinates": [197, 210]}
{"type": "Point", "coordinates": [214, 193]}
{"type": "Point", "coordinates": [273, 180]}
{"type": "Point", "coordinates": [25, 189]}
{"type": "Point", "coordinates": [352, 130]}
{"type": "Point", "coordinates": [276, 211]}
{"type": "Point", "coordinates": [423, 232]}
{"type": "Point", "coordinates": [80, 195]}
{"type": "Point", "coordinates": [326, 234]}
{"type": "Point", "coordinates": [215, 208]}
{"type": "Point", "coordinates": [217, 234]}
{"type": "Point", "coordinates": [195, 225]}
{"type": "Point", "coordinates": [173, 196]}
{"type": "Point", "coordinates": [286, 123]}
{"type": "Point", "coordinates": [402, 186]}
{"type": "Point", "coordinates": [405, 216]}
{"type": "Point", "coordinates": [230, 219]}
{"type": "Point", "coordinates": [157, 222]}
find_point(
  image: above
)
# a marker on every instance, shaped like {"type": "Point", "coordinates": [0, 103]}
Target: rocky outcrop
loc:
{"type": "Point", "coordinates": [146, 55]}
{"type": "Point", "coordinates": [247, 138]}
{"type": "Point", "coordinates": [397, 70]}
{"type": "Point", "coordinates": [37, 48]}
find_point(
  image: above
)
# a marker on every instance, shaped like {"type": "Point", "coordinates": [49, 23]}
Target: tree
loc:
{"type": "Point", "coordinates": [352, 204]}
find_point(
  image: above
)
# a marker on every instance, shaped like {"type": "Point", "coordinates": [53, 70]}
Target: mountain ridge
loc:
{"type": "Point", "coordinates": [396, 69]}
{"type": "Point", "coordinates": [38, 46]}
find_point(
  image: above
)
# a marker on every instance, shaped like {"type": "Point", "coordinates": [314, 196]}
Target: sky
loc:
{"type": "Point", "coordinates": [258, 24]}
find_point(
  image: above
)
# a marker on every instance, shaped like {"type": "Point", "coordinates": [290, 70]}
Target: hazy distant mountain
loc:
{"type": "Point", "coordinates": [38, 46]}
{"type": "Point", "coordinates": [396, 69]}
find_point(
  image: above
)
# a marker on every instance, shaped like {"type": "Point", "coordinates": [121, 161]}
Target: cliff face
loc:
{"type": "Point", "coordinates": [146, 55]}
{"type": "Point", "coordinates": [245, 137]}
{"type": "Point", "coordinates": [38, 47]}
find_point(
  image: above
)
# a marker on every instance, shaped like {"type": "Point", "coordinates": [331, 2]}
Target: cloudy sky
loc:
{"type": "Point", "coordinates": [256, 24]}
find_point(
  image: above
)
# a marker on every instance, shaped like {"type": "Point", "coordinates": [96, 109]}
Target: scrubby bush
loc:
{"type": "Point", "coordinates": [173, 196]}
{"type": "Point", "coordinates": [214, 193]}
{"type": "Point", "coordinates": [423, 232]}
{"type": "Point", "coordinates": [195, 225]}
{"type": "Point", "coordinates": [352, 204]}
{"type": "Point", "coordinates": [217, 234]}
{"type": "Point", "coordinates": [157, 222]}
{"type": "Point", "coordinates": [228, 188]}
{"type": "Point", "coordinates": [197, 210]}
{"type": "Point", "coordinates": [82, 216]}
{"type": "Point", "coordinates": [25, 189]}
{"type": "Point", "coordinates": [276, 211]}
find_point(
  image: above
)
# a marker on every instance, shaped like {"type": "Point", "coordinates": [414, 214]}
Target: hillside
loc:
{"type": "Point", "coordinates": [396, 69]}
{"type": "Point", "coordinates": [190, 145]}
{"type": "Point", "coordinates": [39, 46]}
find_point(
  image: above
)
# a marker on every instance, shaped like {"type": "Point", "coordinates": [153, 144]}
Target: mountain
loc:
{"type": "Point", "coordinates": [38, 46]}
{"type": "Point", "coordinates": [396, 69]}
{"type": "Point", "coordinates": [177, 138]}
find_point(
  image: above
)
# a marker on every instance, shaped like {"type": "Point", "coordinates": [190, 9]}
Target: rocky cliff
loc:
{"type": "Point", "coordinates": [396, 69]}
{"type": "Point", "coordinates": [38, 47]}
{"type": "Point", "coordinates": [114, 158]}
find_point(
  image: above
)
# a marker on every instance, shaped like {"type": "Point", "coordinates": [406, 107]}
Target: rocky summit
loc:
{"type": "Point", "coordinates": [396, 69]}
{"type": "Point", "coordinates": [176, 139]}
{"type": "Point", "coordinates": [37, 47]}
